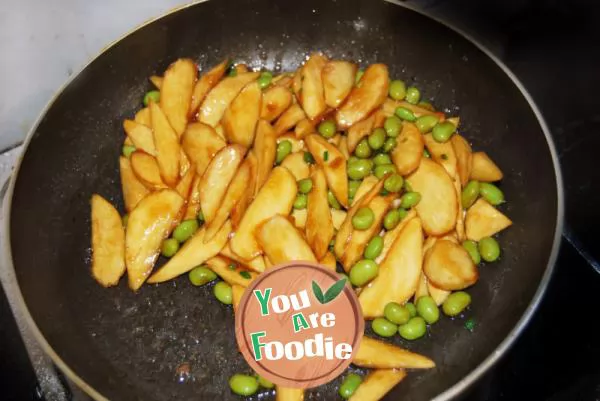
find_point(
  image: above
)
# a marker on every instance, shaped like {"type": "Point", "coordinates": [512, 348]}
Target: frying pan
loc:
{"type": "Point", "coordinates": [120, 345]}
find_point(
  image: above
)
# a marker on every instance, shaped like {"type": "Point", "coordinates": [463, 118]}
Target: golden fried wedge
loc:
{"type": "Point", "coordinates": [143, 117]}
{"type": "Point", "coordinates": [408, 152]}
{"type": "Point", "coordinates": [148, 225]}
{"type": "Point", "coordinates": [230, 271]}
{"type": "Point", "coordinates": [365, 186]}
{"type": "Point", "coordinates": [275, 197]}
{"type": "Point", "coordinates": [329, 261]}
{"type": "Point", "coordinates": [299, 217]}
{"type": "Point", "coordinates": [275, 101]}
{"type": "Point", "coordinates": [377, 384]}
{"type": "Point", "coordinates": [365, 98]}
{"type": "Point", "coordinates": [449, 267]}
{"type": "Point", "coordinates": [297, 166]}
{"type": "Point", "coordinates": [338, 217]}
{"type": "Point", "coordinates": [141, 136]}
{"type": "Point", "coordinates": [288, 120]}
{"type": "Point", "coordinates": [265, 148]}
{"type": "Point", "coordinates": [257, 264]}
{"type": "Point", "coordinates": [194, 252]}
{"type": "Point", "coordinates": [338, 80]}
{"type": "Point", "coordinates": [108, 242]}
{"type": "Point", "coordinates": [358, 131]}
{"type": "Point", "coordinates": [237, 291]}
{"type": "Point", "coordinates": [304, 127]}
{"type": "Point", "coordinates": [422, 290]}
{"type": "Point", "coordinates": [398, 273]}
{"type": "Point", "coordinates": [319, 223]}
{"type": "Point", "coordinates": [217, 177]}
{"type": "Point", "coordinates": [484, 169]}
{"type": "Point", "coordinates": [146, 170]}
{"type": "Point", "coordinates": [288, 394]}
{"type": "Point", "coordinates": [205, 84]}
{"type": "Point", "coordinates": [176, 92]}
{"type": "Point", "coordinates": [184, 186]}
{"type": "Point", "coordinates": [438, 207]}
{"type": "Point", "coordinates": [166, 141]}
{"type": "Point", "coordinates": [220, 97]}
{"type": "Point", "coordinates": [239, 120]}
{"type": "Point", "coordinates": [484, 220]}
{"type": "Point", "coordinates": [464, 157]}
{"type": "Point", "coordinates": [438, 295]}
{"type": "Point", "coordinates": [282, 242]}
{"type": "Point", "coordinates": [200, 143]}
{"type": "Point", "coordinates": [443, 154]}
{"type": "Point", "coordinates": [156, 81]}
{"type": "Point", "coordinates": [329, 157]}
{"type": "Point", "coordinates": [193, 201]}
{"type": "Point", "coordinates": [460, 214]}
{"type": "Point", "coordinates": [133, 189]}
{"type": "Point", "coordinates": [239, 209]}
{"type": "Point", "coordinates": [377, 354]}
{"type": "Point", "coordinates": [390, 236]}
{"type": "Point", "coordinates": [312, 97]}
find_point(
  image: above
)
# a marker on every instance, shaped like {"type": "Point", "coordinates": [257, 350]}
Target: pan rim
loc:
{"type": "Point", "coordinates": [448, 394]}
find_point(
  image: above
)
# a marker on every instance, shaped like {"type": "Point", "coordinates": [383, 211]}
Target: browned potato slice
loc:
{"type": "Point", "coordinates": [184, 163]}
{"type": "Point", "coordinates": [328, 261]}
{"type": "Point", "coordinates": [358, 131]}
{"type": "Point", "coordinates": [108, 242]}
{"type": "Point", "coordinates": [223, 268]}
{"type": "Point", "coordinates": [390, 236]}
{"type": "Point", "coordinates": [438, 207]}
{"type": "Point", "coordinates": [460, 214]}
{"type": "Point", "coordinates": [282, 242]}
{"type": "Point", "coordinates": [194, 252]}
{"type": "Point", "coordinates": [143, 117]}
{"type": "Point", "coordinates": [312, 97]}
{"type": "Point", "coordinates": [205, 84]}
{"type": "Point", "coordinates": [184, 185]}
{"type": "Point", "coordinates": [338, 80]}
{"type": "Point", "coordinates": [257, 264]}
{"type": "Point", "coordinates": [449, 267]}
{"type": "Point", "coordinates": [156, 81]}
{"type": "Point", "coordinates": [141, 136]}
{"type": "Point", "coordinates": [338, 217]}
{"type": "Point", "coordinates": [241, 68]}
{"type": "Point", "coordinates": [343, 147]}
{"type": "Point", "coordinates": [464, 157]}
{"type": "Point", "coordinates": [239, 209]}
{"type": "Point", "coordinates": [484, 169]}
{"type": "Point", "coordinates": [297, 166]}
{"type": "Point", "coordinates": [484, 220]}
{"type": "Point", "coordinates": [275, 101]}
{"type": "Point", "coordinates": [166, 141]}
{"type": "Point", "coordinates": [288, 394]}
{"type": "Point", "coordinates": [443, 154]}
{"type": "Point", "coordinates": [390, 106]}
{"type": "Point", "coordinates": [284, 80]}
{"type": "Point", "coordinates": [217, 177]}
{"type": "Point", "coordinates": [319, 223]}
{"type": "Point", "coordinates": [275, 197]}
{"type": "Point", "coordinates": [147, 227]}
{"type": "Point", "coordinates": [422, 290]}
{"type": "Point", "coordinates": [176, 92]}
{"type": "Point", "coordinates": [288, 120]}
{"type": "Point", "coordinates": [299, 216]}
{"type": "Point", "coordinates": [377, 384]}
{"type": "Point", "coordinates": [133, 189]}
{"type": "Point", "coordinates": [408, 152]}
{"type": "Point", "coordinates": [239, 120]}
{"type": "Point", "coordinates": [237, 291]}
{"type": "Point", "coordinates": [193, 201]}
{"type": "Point", "coordinates": [333, 162]}
{"type": "Point", "coordinates": [265, 148]}
{"type": "Point", "coordinates": [365, 186]}
{"type": "Point", "coordinates": [398, 273]}
{"type": "Point", "coordinates": [220, 131]}
{"type": "Point", "coordinates": [365, 98]}
{"type": "Point", "coordinates": [303, 128]}
{"type": "Point", "coordinates": [146, 170]}
{"type": "Point", "coordinates": [297, 144]}
{"type": "Point", "coordinates": [220, 97]}
{"type": "Point", "coordinates": [200, 143]}
{"type": "Point", "coordinates": [377, 354]}
{"type": "Point", "coordinates": [438, 295]}
{"type": "Point", "coordinates": [336, 139]}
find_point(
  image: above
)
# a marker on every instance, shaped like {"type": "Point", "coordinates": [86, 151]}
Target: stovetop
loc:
{"type": "Point", "coordinates": [554, 48]}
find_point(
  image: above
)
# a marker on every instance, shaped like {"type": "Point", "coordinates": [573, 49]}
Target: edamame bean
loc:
{"type": "Point", "coordinates": [491, 193]}
{"type": "Point", "coordinates": [243, 384]}
{"type": "Point", "coordinates": [349, 385]}
{"type": "Point", "coordinates": [405, 114]}
{"type": "Point", "coordinates": [426, 154]}
{"type": "Point", "coordinates": [200, 217]}
{"type": "Point", "coordinates": [397, 89]}
{"type": "Point", "coordinates": [301, 201]}
{"type": "Point", "coordinates": [265, 383]}
{"type": "Point", "coordinates": [327, 128]}
{"type": "Point", "coordinates": [374, 247]}
{"type": "Point", "coordinates": [403, 213]}
{"type": "Point", "coordinates": [396, 313]}
{"type": "Point", "coordinates": [456, 303]}
{"type": "Point", "coordinates": [411, 308]}
{"type": "Point", "coordinates": [413, 95]}
{"type": "Point", "coordinates": [407, 186]}
{"type": "Point", "coordinates": [377, 138]}
{"type": "Point", "coordinates": [170, 246]}
{"type": "Point", "coordinates": [359, 169]}
{"type": "Point", "coordinates": [415, 328]}
{"type": "Point", "coordinates": [185, 230]}
{"type": "Point", "coordinates": [383, 327]}
{"type": "Point", "coordinates": [223, 292]}
{"type": "Point", "coordinates": [359, 75]}
{"type": "Point", "coordinates": [363, 150]}
{"type": "Point", "coordinates": [391, 219]}
{"type": "Point", "coordinates": [333, 202]}
{"type": "Point", "coordinates": [427, 309]}
{"type": "Point", "coordinates": [384, 169]}
{"type": "Point", "coordinates": [125, 220]}
{"type": "Point", "coordinates": [362, 272]}
{"type": "Point", "coordinates": [426, 123]}
{"type": "Point", "coordinates": [382, 158]}
{"type": "Point", "coordinates": [469, 194]}
{"type": "Point", "coordinates": [201, 275]}
{"type": "Point", "coordinates": [352, 188]}
{"type": "Point", "coordinates": [152, 96]}
{"type": "Point", "coordinates": [128, 150]}
{"type": "Point", "coordinates": [489, 249]}
{"type": "Point", "coordinates": [443, 131]}
{"type": "Point", "coordinates": [392, 126]}
{"type": "Point", "coordinates": [284, 148]}
{"type": "Point", "coordinates": [426, 105]}
{"type": "Point", "coordinates": [265, 79]}
{"type": "Point", "coordinates": [389, 145]}
{"type": "Point", "coordinates": [410, 199]}
{"type": "Point", "coordinates": [308, 158]}
{"type": "Point", "coordinates": [305, 185]}
{"type": "Point", "coordinates": [393, 183]}
{"type": "Point", "coordinates": [471, 247]}
{"type": "Point", "coordinates": [363, 218]}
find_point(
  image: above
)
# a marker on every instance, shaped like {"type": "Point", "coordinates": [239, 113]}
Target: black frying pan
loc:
{"type": "Point", "coordinates": [126, 346]}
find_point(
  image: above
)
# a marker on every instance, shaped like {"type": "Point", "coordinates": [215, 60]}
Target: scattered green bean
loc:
{"type": "Point", "coordinates": [382, 158]}
{"type": "Point", "coordinates": [363, 150]}
{"type": "Point", "coordinates": [170, 247]}
{"type": "Point", "coordinates": [391, 219]}
{"type": "Point", "coordinates": [362, 272]}
{"type": "Point", "coordinates": [200, 217]}
{"type": "Point", "coordinates": [456, 303]}
{"type": "Point", "coordinates": [396, 313]}
{"type": "Point", "coordinates": [389, 145]}
{"type": "Point", "coordinates": [327, 128]}
{"type": "Point", "coordinates": [413, 95]}
{"type": "Point", "coordinates": [383, 169]}
{"type": "Point", "coordinates": [284, 148]}
{"type": "Point", "coordinates": [415, 328]}
{"type": "Point", "coordinates": [245, 385]}
{"type": "Point", "coordinates": [349, 385]}
{"type": "Point", "coordinates": [469, 194]}
{"type": "Point", "coordinates": [152, 96]}
{"type": "Point", "coordinates": [397, 89]}
{"type": "Point", "coordinates": [491, 193]}
{"type": "Point", "coordinates": [426, 123]}
{"type": "Point", "coordinates": [223, 292]}
{"type": "Point", "coordinates": [489, 249]}
{"type": "Point", "coordinates": [376, 139]}
{"type": "Point", "coordinates": [185, 230]}
{"type": "Point", "coordinates": [265, 383]}
{"type": "Point", "coordinates": [443, 131]}
{"type": "Point", "coordinates": [305, 185]}
{"type": "Point", "coordinates": [405, 114]}
{"type": "Point", "coordinates": [393, 183]}
{"type": "Point", "coordinates": [363, 218]}
{"type": "Point", "coordinates": [333, 202]}
{"type": "Point", "coordinates": [352, 188]}
{"type": "Point", "coordinates": [471, 248]}
{"type": "Point", "coordinates": [265, 79]}
{"type": "Point", "coordinates": [359, 169]}
{"type": "Point", "coordinates": [201, 275]}
{"type": "Point", "coordinates": [128, 150]}
{"type": "Point", "coordinates": [426, 154]}
{"type": "Point", "coordinates": [374, 247]}
{"type": "Point", "coordinates": [392, 126]}
{"type": "Point", "coordinates": [359, 75]}
{"type": "Point", "coordinates": [308, 158]}
{"type": "Point", "coordinates": [428, 309]}
{"type": "Point", "coordinates": [383, 327]}
{"type": "Point", "coordinates": [426, 105]}
{"type": "Point", "coordinates": [301, 201]}
{"type": "Point", "coordinates": [411, 308]}
{"type": "Point", "coordinates": [410, 199]}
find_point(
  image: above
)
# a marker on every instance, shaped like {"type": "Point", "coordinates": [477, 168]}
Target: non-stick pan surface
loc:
{"type": "Point", "coordinates": [127, 346]}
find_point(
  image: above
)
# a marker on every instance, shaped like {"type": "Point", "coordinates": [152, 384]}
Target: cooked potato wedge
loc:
{"type": "Point", "coordinates": [108, 242]}
{"type": "Point", "coordinates": [422, 290]}
{"type": "Point", "coordinates": [438, 295]}
{"type": "Point", "coordinates": [460, 213]}
{"type": "Point", "coordinates": [484, 220]}
{"type": "Point", "coordinates": [299, 216]}
{"type": "Point", "coordinates": [240, 208]}
{"type": "Point", "coordinates": [319, 223]}
{"type": "Point", "coordinates": [438, 207]}
{"type": "Point", "coordinates": [194, 252]}
{"type": "Point", "coordinates": [265, 148]}
{"type": "Point", "coordinates": [329, 157]}
{"type": "Point", "coordinates": [377, 384]}
{"type": "Point", "coordinates": [464, 158]}
{"type": "Point", "coordinates": [408, 152]}
{"type": "Point", "coordinates": [146, 170]}
{"type": "Point", "coordinates": [303, 128]}
{"type": "Point", "coordinates": [288, 394]}
{"type": "Point", "coordinates": [398, 273]}
{"type": "Point", "coordinates": [449, 267]}
{"type": "Point", "coordinates": [184, 163]}
{"type": "Point", "coordinates": [217, 177]}
{"type": "Point", "coordinates": [297, 144]}
{"type": "Point", "coordinates": [241, 68]}
{"type": "Point", "coordinates": [184, 185]}
{"type": "Point", "coordinates": [338, 81]}
{"type": "Point", "coordinates": [156, 81]}
{"type": "Point", "coordinates": [239, 120]}
{"type": "Point", "coordinates": [147, 227]}
{"type": "Point", "coordinates": [390, 236]}
{"type": "Point", "coordinates": [443, 154]}
{"type": "Point", "coordinates": [363, 99]}
{"type": "Point", "coordinates": [141, 136]}
{"type": "Point", "coordinates": [377, 354]}
{"type": "Point", "coordinates": [338, 217]}
{"type": "Point", "coordinates": [312, 97]}
{"type": "Point", "coordinates": [220, 97]}
{"type": "Point", "coordinates": [343, 146]}
{"type": "Point", "coordinates": [288, 120]}
{"type": "Point", "coordinates": [237, 291]}
{"type": "Point", "coordinates": [275, 101]}
{"type": "Point", "coordinates": [484, 169]}
{"type": "Point", "coordinates": [176, 92]}
{"type": "Point", "coordinates": [168, 150]}
{"type": "Point", "coordinates": [200, 143]}
{"type": "Point", "coordinates": [257, 264]}
{"type": "Point", "coordinates": [284, 80]}
{"type": "Point", "coordinates": [205, 85]}
{"type": "Point", "coordinates": [282, 242]}
{"type": "Point", "coordinates": [365, 186]}
{"type": "Point", "coordinates": [143, 117]}
{"type": "Point", "coordinates": [133, 189]}
{"type": "Point", "coordinates": [358, 131]}
{"type": "Point", "coordinates": [193, 200]}
{"type": "Point", "coordinates": [275, 197]}
{"type": "Point", "coordinates": [328, 261]}
{"type": "Point", "coordinates": [222, 268]}
{"type": "Point", "coordinates": [297, 166]}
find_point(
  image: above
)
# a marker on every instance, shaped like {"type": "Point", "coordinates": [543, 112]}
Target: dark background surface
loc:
{"type": "Point", "coordinates": [554, 48]}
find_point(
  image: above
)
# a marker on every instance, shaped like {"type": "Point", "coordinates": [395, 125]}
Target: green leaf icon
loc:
{"type": "Point", "coordinates": [318, 292]}
{"type": "Point", "coordinates": [331, 293]}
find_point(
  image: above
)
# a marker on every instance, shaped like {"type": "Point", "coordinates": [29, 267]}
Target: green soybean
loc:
{"type": "Point", "coordinates": [362, 272]}
{"type": "Point", "coordinates": [377, 138]}
{"type": "Point", "coordinates": [223, 292]}
{"type": "Point", "coordinates": [152, 96]}
{"type": "Point", "coordinates": [413, 95]}
{"type": "Point", "coordinates": [407, 186]}
{"type": "Point", "coordinates": [308, 158]}
{"type": "Point", "coordinates": [284, 148]}
{"type": "Point", "coordinates": [327, 128]}
{"type": "Point", "coordinates": [382, 158]}
{"type": "Point", "coordinates": [170, 247]}
{"type": "Point", "coordinates": [402, 212]}
{"type": "Point", "coordinates": [456, 303]}
{"type": "Point", "coordinates": [352, 188]}
{"type": "Point", "coordinates": [415, 328]}
{"type": "Point", "coordinates": [426, 123]}
{"type": "Point", "coordinates": [305, 185]}
{"type": "Point", "coordinates": [393, 183]}
{"type": "Point", "coordinates": [265, 79]}
{"type": "Point", "coordinates": [397, 90]}
{"type": "Point", "coordinates": [391, 219]}
{"type": "Point", "coordinates": [301, 201]}
{"type": "Point", "coordinates": [243, 384]}
{"type": "Point", "coordinates": [392, 126]}
{"type": "Point", "coordinates": [383, 327]}
{"type": "Point", "coordinates": [333, 202]}
{"type": "Point", "coordinates": [128, 150]}
{"type": "Point", "coordinates": [410, 199]}
{"type": "Point", "coordinates": [185, 230]}
{"type": "Point", "coordinates": [411, 308]}
{"type": "Point", "coordinates": [358, 76]}
{"type": "Point", "coordinates": [201, 275]}
{"type": "Point", "coordinates": [389, 145]}
{"type": "Point", "coordinates": [349, 385]}
{"type": "Point", "coordinates": [374, 247]}
{"type": "Point", "coordinates": [469, 194]}
{"type": "Point", "coordinates": [265, 383]}
{"type": "Point", "coordinates": [200, 217]}
{"type": "Point", "coordinates": [359, 169]}
{"type": "Point", "coordinates": [471, 248]}
{"type": "Point", "coordinates": [489, 249]}
{"type": "Point", "coordinates": [443, 131]}
{"type": "Point", "coordinates": [384, 169]}
{"type": "Point", "coordinates": [491, 193]}
{"type": "Point", "coordinates": [405, 114]}
{"type": "Point", "coordinates": [426, 154]}
{"type": "Point", "coordinates": [363, 218]}
{"type": "Point", "coordinates": [363, 150]}
{"type": "Point", "coordinates": [426, 105]}
{"type": "Point", "coordinates": [396, 313]}
{"type": "Point", "coordinates": [428, 309]}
